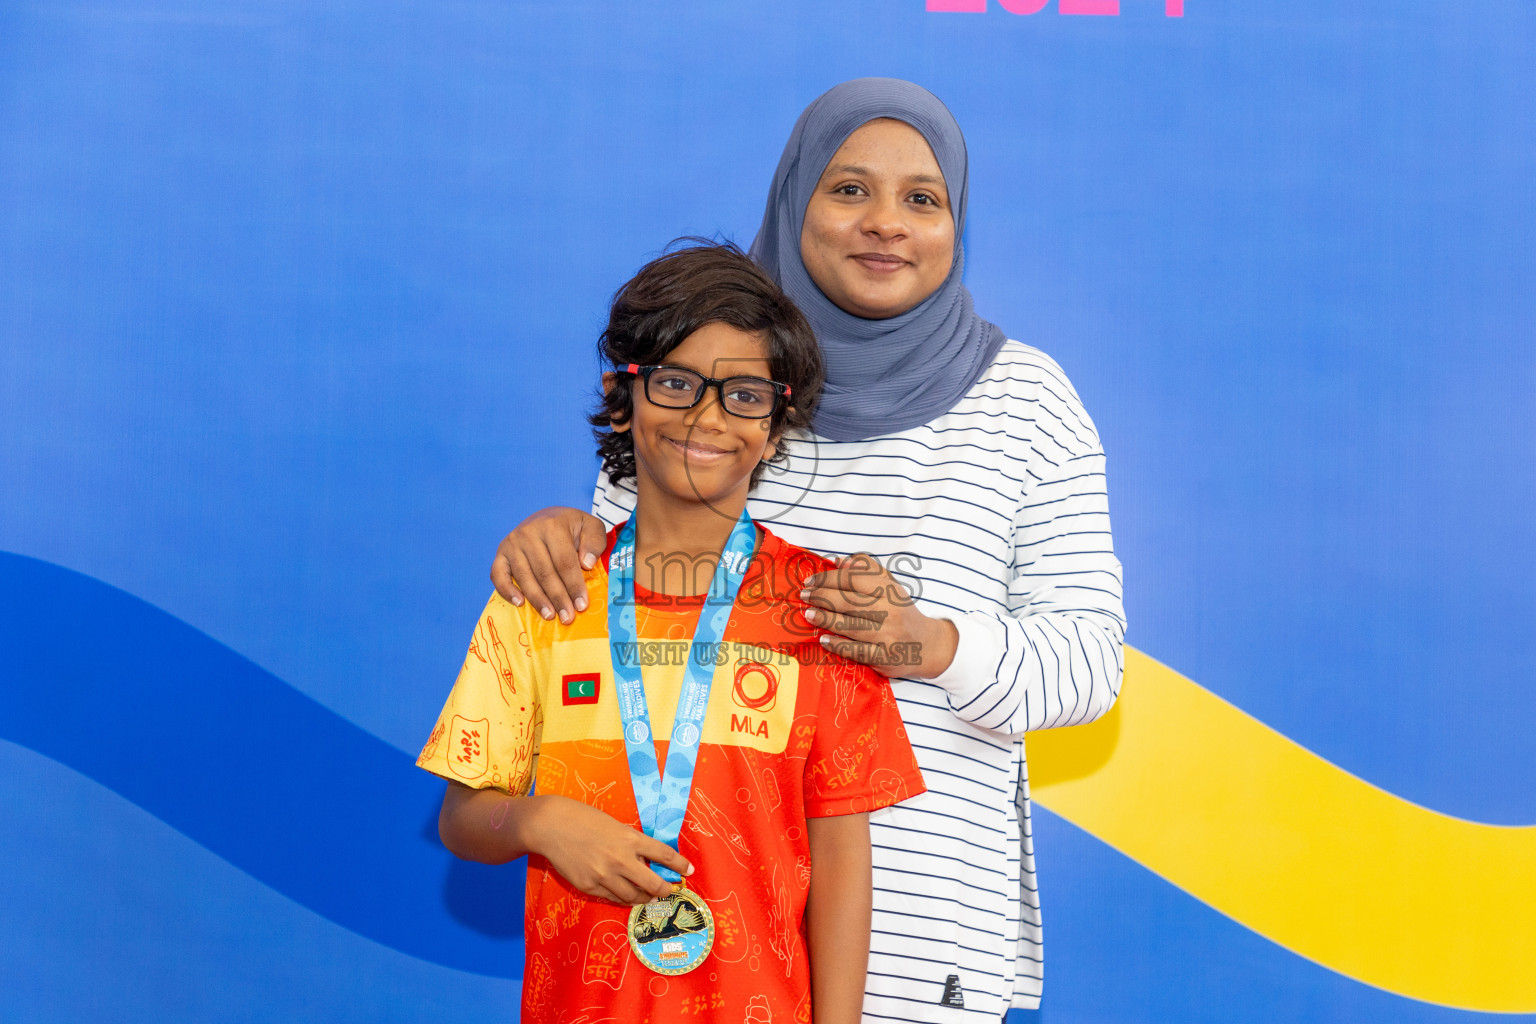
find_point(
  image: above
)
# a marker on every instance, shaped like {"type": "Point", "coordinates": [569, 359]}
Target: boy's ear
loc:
{"type": "Point", "coordinates": [775, 437]}
{"type": "Point", "coordinates": [610, 381]}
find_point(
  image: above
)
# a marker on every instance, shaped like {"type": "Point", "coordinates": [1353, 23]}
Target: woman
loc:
{"type": "Point", "coordinates": [963, 462]}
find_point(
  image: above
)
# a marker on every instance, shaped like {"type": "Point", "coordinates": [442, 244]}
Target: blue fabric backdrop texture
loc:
{"type": "Point", "coordinates": [297, 309]}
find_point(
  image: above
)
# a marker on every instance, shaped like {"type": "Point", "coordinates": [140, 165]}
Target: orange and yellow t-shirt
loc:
{"type": "Point", "coordinates": [791, 733]}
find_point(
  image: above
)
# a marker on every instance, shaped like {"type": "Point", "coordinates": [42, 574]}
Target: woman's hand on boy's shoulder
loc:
{"type": "Point", "coordinates": [601, 856]}
{"type": "Point", "coordinates": [871, 618]}
{"type": "Point", "coordinates": [543, 559]}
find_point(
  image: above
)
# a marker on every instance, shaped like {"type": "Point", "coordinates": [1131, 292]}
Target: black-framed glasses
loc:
{"type": "Point", "coordinates": [677, 387]}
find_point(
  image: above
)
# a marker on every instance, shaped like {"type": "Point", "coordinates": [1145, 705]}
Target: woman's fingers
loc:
{"type": "Point", "coordinates": [859, 582]}
{"type": "Point", "coordinates": [844, 602]}
{"type": "Point", "coordinates": [573, 544]}
{"type": "Point", "coordinates": [855, 604]}
{"type": "Point", "coordinates": [542, 561]}
{"type": "Point", "coordinates": [869, 617]}
{"type": "Point", "coordinates": [526, 580]}
{"type": "Point", "coordinates": [856, 625]}
{"type": "Point", "coordinates": [856, 574]}
{"type": "Point", "coordinates": [876, 656]}
{"type": "Point", "coordinates": [591, 540]}
{"type": "Point", "coordinates": [501, 576]}
{"type": "Point", "coordinates": [922, 652]}
{"type": "Point", "coordinates": [560, 576]}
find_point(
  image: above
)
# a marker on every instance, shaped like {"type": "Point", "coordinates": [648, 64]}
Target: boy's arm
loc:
{"type": "Point", "coordinates": [837, 916]}
{"type": "Point", "coordinates": [590, 850]}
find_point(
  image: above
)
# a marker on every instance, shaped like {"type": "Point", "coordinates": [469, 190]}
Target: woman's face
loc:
{"type": "Point", "coordinates": [879, 234]}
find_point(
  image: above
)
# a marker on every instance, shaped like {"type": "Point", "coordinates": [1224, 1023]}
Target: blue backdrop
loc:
{"type": "Point", "coordinates": [297, 310]}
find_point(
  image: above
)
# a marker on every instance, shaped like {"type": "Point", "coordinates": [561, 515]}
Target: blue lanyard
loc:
{"type": "Point", "coordinates": [663, 801]}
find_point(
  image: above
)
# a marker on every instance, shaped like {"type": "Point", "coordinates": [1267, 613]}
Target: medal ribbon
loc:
{"type": "Point", "coordinates": [663, 800]}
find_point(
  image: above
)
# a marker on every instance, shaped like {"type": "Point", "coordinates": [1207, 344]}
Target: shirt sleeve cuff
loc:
{"type": "Point", "coordinates": [978, 650]}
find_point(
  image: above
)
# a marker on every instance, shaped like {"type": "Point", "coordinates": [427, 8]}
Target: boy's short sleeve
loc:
{"type": "Point", "coordinates": [487, 735]}
{"type": "Point", "coordinates": [860, 759]}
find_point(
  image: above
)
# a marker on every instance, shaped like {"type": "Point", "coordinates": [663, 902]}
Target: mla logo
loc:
{"type": "Point", "coordinates": [756, 687]}
{"type": "Point", "coordinates": [744, 723]}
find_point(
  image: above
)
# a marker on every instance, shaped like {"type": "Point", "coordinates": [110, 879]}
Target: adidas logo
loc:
{"type": "Point", "coordinates": [953, 995]}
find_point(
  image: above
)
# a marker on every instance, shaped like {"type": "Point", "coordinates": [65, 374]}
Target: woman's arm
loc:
{"type": "Point", "coordinates": [837, 916]}
{"type": "Point", "coordinates": [1055, 656]}
{"type": "Point", "coordinates": [590, 850]}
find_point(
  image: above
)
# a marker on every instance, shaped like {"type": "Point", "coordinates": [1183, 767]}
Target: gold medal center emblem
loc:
{"type": "Point", "coordinates": [673, 934]}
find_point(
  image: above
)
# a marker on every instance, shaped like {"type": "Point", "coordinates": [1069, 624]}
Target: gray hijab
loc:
{"type": "Point", "coordinates": [883, 376]}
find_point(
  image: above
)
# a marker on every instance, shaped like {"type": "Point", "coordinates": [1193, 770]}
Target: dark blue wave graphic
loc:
{"type": "Point", "coordinates": [239, 761]}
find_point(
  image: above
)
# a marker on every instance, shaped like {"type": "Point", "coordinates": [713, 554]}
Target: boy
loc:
{"type": "Point", "coordinates": [671, 880]}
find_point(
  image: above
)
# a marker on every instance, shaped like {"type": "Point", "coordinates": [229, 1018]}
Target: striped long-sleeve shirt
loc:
{"type": "Point", "coordinates": [996, 515]}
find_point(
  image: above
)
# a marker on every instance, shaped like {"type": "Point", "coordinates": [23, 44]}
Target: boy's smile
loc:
{"type": "Point", "coordinates": [703, 455]}
{"type": "Point", "coordinates": [700, 450]}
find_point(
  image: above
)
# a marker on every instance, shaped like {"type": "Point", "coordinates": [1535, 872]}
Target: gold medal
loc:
{"type": "Point", "coordinates": [673, 934]}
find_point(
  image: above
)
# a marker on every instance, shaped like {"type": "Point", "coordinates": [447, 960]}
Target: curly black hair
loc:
{"type": "Point", "coordinates": [676, 294]}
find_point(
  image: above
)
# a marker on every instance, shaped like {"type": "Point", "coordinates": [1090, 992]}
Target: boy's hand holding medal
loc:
{"type": "Point", "coordinates": [600, 856]}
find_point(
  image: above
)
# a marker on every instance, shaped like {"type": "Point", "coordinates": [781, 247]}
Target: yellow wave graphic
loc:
{"type": "Point", "coordinates": [1329, 866]}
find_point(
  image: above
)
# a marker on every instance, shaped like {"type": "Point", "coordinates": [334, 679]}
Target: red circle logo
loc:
{"type": "Point", "coordinates": [757, 686]}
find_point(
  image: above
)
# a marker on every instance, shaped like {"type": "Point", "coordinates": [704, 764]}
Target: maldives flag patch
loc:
{"type": "Point", "coordinates": [581, 688]}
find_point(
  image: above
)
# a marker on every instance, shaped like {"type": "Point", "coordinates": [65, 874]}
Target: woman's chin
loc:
{"type": "Point", "coordinates": [877, 303]}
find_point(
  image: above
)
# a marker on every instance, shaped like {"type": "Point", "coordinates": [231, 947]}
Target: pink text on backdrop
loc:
{"type": "Point", "coordinates": [1172, 8]}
